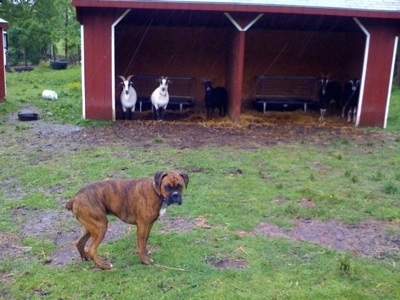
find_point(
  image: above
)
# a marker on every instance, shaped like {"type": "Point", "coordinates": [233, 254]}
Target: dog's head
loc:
{"type": "Point", "coordinates": [169, 186]}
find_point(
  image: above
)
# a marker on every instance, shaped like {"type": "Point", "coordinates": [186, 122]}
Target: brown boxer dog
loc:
{"type": "Point", "coordinates": [139, 201]}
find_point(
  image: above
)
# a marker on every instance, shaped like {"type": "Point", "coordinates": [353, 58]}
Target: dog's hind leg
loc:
{"type": "Point", "coordinates": [97, 237]}
{"type": "Point", "coordinates": [81, 242]}
{"type": "Point", "coordinates": [95, 228]}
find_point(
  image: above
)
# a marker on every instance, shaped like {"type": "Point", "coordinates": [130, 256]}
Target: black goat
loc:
{"type": "Point", "coordinates": [351, 94]}
{"type": "Point", "coordinates": [329, 94]}
{"type": "Point", "coordinates": [215, 98]}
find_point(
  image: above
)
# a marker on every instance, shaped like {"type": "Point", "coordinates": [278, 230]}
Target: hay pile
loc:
{"type": "Point", "coordinates": [249, 118]}
{"type": "Point", "coordinates": [274, 118]}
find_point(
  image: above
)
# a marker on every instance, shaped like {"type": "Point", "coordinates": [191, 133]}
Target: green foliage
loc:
{"type": "Point", "coordinates": [35, 25]}
{"type": "Point", "coordinates": [393, 122]}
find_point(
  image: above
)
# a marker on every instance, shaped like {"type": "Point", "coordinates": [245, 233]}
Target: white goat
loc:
{"type": "Point", "coordinates": [49, 95]}
{"type": "Point", "coordinates": [128, 97]}
{"type": "Point", "coordinates": [160, 98]}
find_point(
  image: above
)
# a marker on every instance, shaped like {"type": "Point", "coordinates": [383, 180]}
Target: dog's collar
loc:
{"type": "Point", "coordinates": [155, 191]}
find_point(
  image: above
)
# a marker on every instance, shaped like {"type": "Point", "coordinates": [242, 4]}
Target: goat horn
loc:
{"type": "Point", "coordinates": [122, 77]}
{"type": "Point", "coordinates": [129, 77]}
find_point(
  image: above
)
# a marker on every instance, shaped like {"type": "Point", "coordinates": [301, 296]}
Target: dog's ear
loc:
{"type": "Point", "coordinates": [185, 178]}
{"type": "Point", "coordinates": [158, 177]}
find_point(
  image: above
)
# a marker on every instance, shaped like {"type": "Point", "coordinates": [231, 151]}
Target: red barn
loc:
{"type": "Point", "coordinates": [233, 42]}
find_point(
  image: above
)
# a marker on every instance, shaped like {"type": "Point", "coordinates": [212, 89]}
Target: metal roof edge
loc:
{"type": "Point", "coordinates": [229, 6]}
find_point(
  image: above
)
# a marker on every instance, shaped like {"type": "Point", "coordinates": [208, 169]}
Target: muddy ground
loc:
{"type": "Point", "coordinates": [370, 238]}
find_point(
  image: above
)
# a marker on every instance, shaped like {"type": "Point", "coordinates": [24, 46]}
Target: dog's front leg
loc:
{"type": "Point", "coordinates": [143, 232]}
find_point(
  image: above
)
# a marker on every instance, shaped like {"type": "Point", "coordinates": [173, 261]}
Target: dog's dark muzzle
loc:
{"type": "Point", "coordinates": [174, 198]}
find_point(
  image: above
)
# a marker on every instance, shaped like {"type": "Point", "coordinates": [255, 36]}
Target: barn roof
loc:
{"type": "Point", "coordinates": [368, 5]}
{"type": "Point", "coordinates": [384, 9]}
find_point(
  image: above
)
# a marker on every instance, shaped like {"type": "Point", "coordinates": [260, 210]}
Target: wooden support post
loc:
{"type": "Point", "coordinates": [235, 74]}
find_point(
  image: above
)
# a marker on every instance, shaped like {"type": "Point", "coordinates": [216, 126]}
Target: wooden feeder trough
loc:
{"type": "Point", "coordinates": [284, 93]}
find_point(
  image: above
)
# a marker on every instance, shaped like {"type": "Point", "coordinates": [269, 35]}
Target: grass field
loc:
{"type": "Point", "coordinates": [232, 190]}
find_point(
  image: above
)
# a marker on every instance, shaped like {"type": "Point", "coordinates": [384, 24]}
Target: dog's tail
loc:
{"type": "Point", "coordinates": [70, 204]}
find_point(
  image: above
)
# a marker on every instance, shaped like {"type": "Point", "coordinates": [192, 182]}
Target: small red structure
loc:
{"type": "Point", "coordinates": [3, 90]}
{"type": "Point", "coordinates": [233, 42]}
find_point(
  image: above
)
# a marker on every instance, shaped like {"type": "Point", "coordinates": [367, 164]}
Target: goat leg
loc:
{"type": "Point", "coordinates": [131, 113]}
{"type": "Point", "coordinates": [160, 113]}
{"type": "Point", "coordinates": [209, 112]}
{"type": "Point", "coordinates": [349, 113]}
{"type": "Point", "coordinates": [322, 114]}
{"type": "Point", "coordinates": [155, 113]}
{"type": "Point", "coordinates": [223, 111]}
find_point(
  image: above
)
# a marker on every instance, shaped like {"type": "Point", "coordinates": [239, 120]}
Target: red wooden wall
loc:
{"type": "Point", "coordinates": [97, 62]}
{"type": "Point", "coordinates": [378, 73]}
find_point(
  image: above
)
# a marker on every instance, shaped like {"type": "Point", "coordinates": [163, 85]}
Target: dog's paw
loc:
{"type": "Point", "coordinates": [106, 266]}
{"type": "Point", "coordinates": [146, 252]}
{"type": "Point", "coordinates": [147, 261]}
{"type": "Point", "coordinates": [85, 256]}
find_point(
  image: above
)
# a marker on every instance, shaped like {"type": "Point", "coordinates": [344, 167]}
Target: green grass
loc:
{"type": "Point", "coordinates": [25, 90]}
{"type": "Point", "coordinates": [393, 122]}
{"type": "Point", "coordinates": [235, 190]}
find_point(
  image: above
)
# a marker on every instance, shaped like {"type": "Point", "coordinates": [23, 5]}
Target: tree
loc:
{"type": "Point", "coordinates": [36, 24]}
{"type": "Point", "coordinates": [68, 31]}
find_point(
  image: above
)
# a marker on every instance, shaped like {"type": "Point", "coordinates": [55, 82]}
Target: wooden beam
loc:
{"type": "Point", "coordinates": [235, 74]}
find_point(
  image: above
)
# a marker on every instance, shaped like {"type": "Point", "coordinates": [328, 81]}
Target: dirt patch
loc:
{"type": "Point", "coordinates": [227, 263]}
{"type": "Point", "coordinates": [185, 131]}
{"type": "Point", "coordinates": [175, 224]}
{"type": "Point", "coordinates": [58, 227]}
{"type": "Point", "coordinates": [61, 228]}
{"type": "Point", "coordinates": [369, 238]}
{"type": "Point", "coordinates": [254, 131]}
